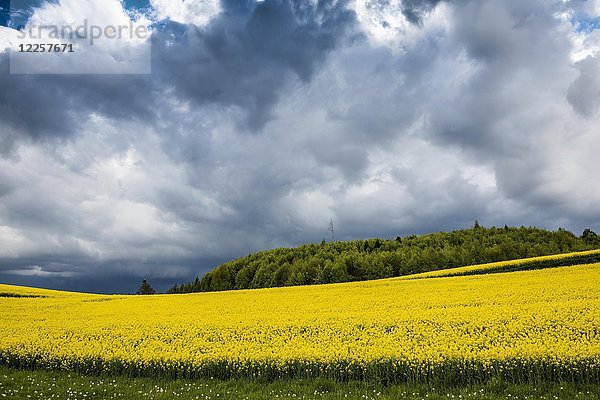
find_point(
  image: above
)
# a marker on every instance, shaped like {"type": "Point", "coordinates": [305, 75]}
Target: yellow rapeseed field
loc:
{"type": "Point", "coordinates": [526, 326]}
{"type": "Point", "coordinates": [561, 259]}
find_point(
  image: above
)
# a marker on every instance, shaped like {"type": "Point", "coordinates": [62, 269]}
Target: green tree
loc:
{"type": "Point", "coordinates": [281, 275]}
{"type": "Point", "coordinates": [145, 288]}
{"type": "Point", "coordinates": [174, 289]}
{"type": "Point", "coordinates": [245, 276]}
{"type": "Point", "coordinates": [589, 236]}
{"type": "Point", "coordinates": [221, 278]}
{"type": "Point", "coordinates": [327, 274]}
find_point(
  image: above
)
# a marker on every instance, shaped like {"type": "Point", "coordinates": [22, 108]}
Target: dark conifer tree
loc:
{"type": "Point", "coordinates": [145, 288]}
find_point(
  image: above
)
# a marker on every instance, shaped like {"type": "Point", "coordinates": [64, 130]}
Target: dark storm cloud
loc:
{"type": "Point", "coordinates": [47, 107]}
{"type": "Point", "coordinates": [516, 49]}
{"type": "Point", "coordinates": [414, 10]}
{"type": "Point", "coordinates": [117, 276]}
{"type": "Point", "coordinates": [513, 112]}
{"type": "Point", "coordinates": [244, 56]}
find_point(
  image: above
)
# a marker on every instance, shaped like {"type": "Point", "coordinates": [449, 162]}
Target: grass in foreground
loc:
{"type": "Point", "coordinates": [44, 385]}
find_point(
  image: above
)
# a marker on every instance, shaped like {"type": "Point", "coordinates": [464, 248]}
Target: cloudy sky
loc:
{"type": "Point", "coordinates": [262, 120]}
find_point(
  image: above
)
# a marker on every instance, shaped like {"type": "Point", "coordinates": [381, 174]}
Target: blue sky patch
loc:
{"type": "Point", "coordinates": [586, 23]}
{"type": "Point", "coordinates": [139, 4]}
{"type": "Point", "coordinates": [15, 13]}
{"type": "Point", "coordinates": [4, 12]}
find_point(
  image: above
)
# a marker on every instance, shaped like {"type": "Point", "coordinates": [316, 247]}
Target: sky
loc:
{"type": "Point", "coordinates": [262, 120]}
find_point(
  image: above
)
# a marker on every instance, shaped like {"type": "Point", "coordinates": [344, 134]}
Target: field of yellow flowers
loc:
{"type": "Point", "coordinates": [525, 326]}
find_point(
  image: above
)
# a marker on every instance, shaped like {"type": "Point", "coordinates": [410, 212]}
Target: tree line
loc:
{"type": "Point", "coordinates": [357, 260]}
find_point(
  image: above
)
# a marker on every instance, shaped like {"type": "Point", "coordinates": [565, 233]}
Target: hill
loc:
{"type": "Point", "coordinates": [360, 260]}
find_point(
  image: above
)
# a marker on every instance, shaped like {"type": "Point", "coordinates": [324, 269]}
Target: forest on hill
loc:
{"type": "Point", "coordinates": [358, 260]}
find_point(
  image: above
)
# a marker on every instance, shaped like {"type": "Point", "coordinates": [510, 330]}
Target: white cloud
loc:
{"type": "Point", "coordinates": [36, 270]}
{"type": "Point", "coordinates": [6, 38]}
{"type": "Point", "coordinates": [197, 12]}
{"type": "Point", "coordinates": [385, 24]}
